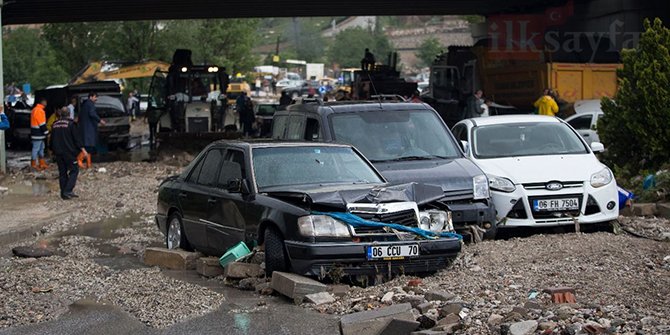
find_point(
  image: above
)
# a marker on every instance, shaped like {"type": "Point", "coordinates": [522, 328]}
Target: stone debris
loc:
{"type": "Point", "coordinates": [374, 322]}
{"type": "Point", "coordinates": [237, 270]}
{"type": "Point", "coordinates": [295, 286]}
{"type": "Point", "coordinates": [388, 298]}
{"type": "Point", "coordinates": [523, 328]}
{"type": "Point", "coordinates": [209, 267]}
{"type": "Point", "coordinates": [175, 259]}
{"type": "Point", "coordinates": [653, 228]}
{"type": "Point", "coordinates": [319, 298]}
{"type": "Point", "coordinates": [32, 252]}
{"type": "Point", "coordinates": [339, 290]}
{"type": "Point", "coordinates": [439, 296]}
{"type": "Point", "coordinates": [399, 327]}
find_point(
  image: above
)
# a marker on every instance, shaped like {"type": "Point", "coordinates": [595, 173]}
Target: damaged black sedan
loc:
{"type": "Point", "coordinates": [317, 209]}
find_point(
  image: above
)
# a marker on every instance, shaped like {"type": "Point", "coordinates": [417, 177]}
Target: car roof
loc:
{"type": "Point", "coordinates": [269, 143]}
{"type": "Point", "coordinates": [338, 107]}
{"type": "Point", "coordinates": [507, 119]}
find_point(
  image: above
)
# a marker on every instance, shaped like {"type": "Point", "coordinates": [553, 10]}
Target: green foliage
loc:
{"type": "Point", "coordinates": [428, 49]}
{"type": "Point", "coordinates": [306, 41]}
{"type": "Point", "coordinates": [28, 59]}
{"type": "Point", "coordinates": [472, 19]}
{"type": "Point", "coordinates": [635, 128]}
{"type": "Point", "coordinates": [76, 44]}
{"type": "Point", "coordinates": [349, 45]}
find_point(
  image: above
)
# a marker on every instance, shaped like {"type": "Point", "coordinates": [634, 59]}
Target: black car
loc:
{"type": "Point", "coordinates": [407, 142]}
{"type": "Point", "coordinates": [287, 195]}
{"type": "Point", "coordinates": [303, 89]}
{"type": "Point", "coordinates": [265, 111]}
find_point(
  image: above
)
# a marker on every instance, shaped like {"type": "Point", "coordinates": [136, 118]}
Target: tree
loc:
{"type": "Point", "coordinates": [635, 126]}
{"type": "Point", "coordinates": [28, 60]}
{"type": "Point", "coordinates": [306, 40]}
{"type": "Point", "coordinates": [76, 44]}
{"type": "Point", "coordinates": [428, 49]}
{"type": "Point", "coordinates": [349, 46]}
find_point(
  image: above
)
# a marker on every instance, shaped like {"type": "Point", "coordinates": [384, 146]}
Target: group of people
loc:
{"type": "Point", "coordinates": [70, 142]}
{"type": "Point", "coordinates": [268, 85]}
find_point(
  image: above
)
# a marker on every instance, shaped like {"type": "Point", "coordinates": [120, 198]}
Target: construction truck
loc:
{"type": "Point", "coordinates": [512, 85]}
{"type": "Point", "coordinates": [376, 80]}
{"type": "Point", "coordinates": [94, 71]}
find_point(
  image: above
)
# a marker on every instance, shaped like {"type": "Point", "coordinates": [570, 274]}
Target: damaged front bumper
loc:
{"type": "Point", "coordinates": [350, 258]}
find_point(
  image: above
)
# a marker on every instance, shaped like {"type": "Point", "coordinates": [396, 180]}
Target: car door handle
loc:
{"type": "Point", "coordinates": [211, 201]}
{"type": "Point", "coordinates": [182, 195]}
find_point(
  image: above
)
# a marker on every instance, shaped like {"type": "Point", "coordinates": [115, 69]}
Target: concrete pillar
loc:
{"type": "Point", "coordinates": [3, 154]}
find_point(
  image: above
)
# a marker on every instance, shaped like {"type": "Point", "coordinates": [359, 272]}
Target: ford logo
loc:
{"type": "Point", "coordinates": [554, 186]}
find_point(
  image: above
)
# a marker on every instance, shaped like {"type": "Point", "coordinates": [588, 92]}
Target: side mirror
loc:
{"type": "Point", "coordinates": [465, 147]}
{"type": "Point", "coordinates": [238, 186]}
{"type": "Point", "coordinates": [597, 147]}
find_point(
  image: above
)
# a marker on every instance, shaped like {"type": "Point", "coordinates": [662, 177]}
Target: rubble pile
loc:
{"type": "Point", "coordinates": [621, 285]}
{"type": "Point", "coordinates": [656, 228]}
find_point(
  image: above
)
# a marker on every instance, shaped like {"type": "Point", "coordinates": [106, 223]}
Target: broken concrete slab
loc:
{"type": "Point", "coordinates": [531, 304]}
{"type": "Point", "coordinates": [399, 327]}
{"type": "Point", "coordinates": [339, 290]}
{"type": "Point", "coordinates": [374, 322]}
{"type": "Point", "coordinates": [449, 319]}
{"type": "Point", "coordinates": [208, 267]}
{"type": "Point", "coordinates": [174, 259]}
{"type": "Point", "coordinates": [320, 298]}
{"type": "Point", "coordinates": [439, 296]}
{"type": "Point", "coordinates": [424, 307]}
{"type": "Point", "coordinates": [645, 209]}
{"type": "Point", "coordinates": [295, 286]}
{"type": "Point", "coordinates": [414, 300]}
{"type": "Point", "coordinates": [239, 270]}
{"type": "Point", "coordinates": [387, 298]}
{"type": "Point", "coordinates": [663, 210]}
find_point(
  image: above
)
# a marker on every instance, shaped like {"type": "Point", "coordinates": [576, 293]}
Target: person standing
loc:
{"type": "Point", "coordinates": [65, 145]}
{"type": "Point", "coordinates": [284, 100]}
{"type": "Point", "coordinates": [4, 121]}
{"type": "Point", "coordinates": [247, 119]}
{"type": "Point", "coordinates": [152, 116]}
{"type": "Point", "coordinates": [546, 105]}
{"type": "Point", "coordinates": [257, 86]}
{"type": "Point", "coordinates": [38, 135]}
{"type": "Point", "coordinates": [473, 105]}
{"type": "Point", "coordinates": [88, 128]}
{"type": "Point", "coordinates": [131, 105]}
{"type": "Point", "coordinates": [71, 107]}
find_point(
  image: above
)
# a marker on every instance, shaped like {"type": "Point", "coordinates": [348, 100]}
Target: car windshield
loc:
{"type": "Point", "coordinates": [525, 139]}
{"type": "Point", "coordinates": [267, 110]}
{"type": "Point", "coordinates": [398, 135]}
{"type": "Point", "coordinates": [109, 102]}
{"type": "Point", "coordinates": [310, 165]}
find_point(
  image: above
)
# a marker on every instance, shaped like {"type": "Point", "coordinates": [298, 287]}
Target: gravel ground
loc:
{"type": "Point", "coordinates": [622, 283]}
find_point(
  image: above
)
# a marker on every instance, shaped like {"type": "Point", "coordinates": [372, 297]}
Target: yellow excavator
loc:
{"type": "Point", "coordinates": [93, 71]}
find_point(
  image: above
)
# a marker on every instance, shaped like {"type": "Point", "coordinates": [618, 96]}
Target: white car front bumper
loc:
{"type": "Point", "coordinates": [515, 209]}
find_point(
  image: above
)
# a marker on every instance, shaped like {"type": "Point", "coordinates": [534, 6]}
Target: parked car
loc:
{"type": "Point", "coordinates": [542, 173]}
{"type": "Point", "coordinates": [265, 111]}
{"type": "Point", "coordinates": [288, 83]}
{"type": "Point", "coordinates": [303, 89]}
{"type": "Point", "coordinates": [407, 142]}
{"type": "Point", "coordinates": [586, 124]}
{"type": "Point", "coordinates": [267, 193]}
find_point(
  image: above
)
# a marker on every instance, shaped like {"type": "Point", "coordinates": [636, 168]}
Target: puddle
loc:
{"type": "Point", "coordinates": [38, 187]}
{"type": "Point", "coordinates": [105, 229]}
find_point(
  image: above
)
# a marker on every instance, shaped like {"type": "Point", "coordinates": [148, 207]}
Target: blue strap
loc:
{"type": "Point", "coordinates": [356, 221]}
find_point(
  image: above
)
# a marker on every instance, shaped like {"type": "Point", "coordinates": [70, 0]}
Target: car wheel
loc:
{"type": "Point", "coordinates": [275, 253]}
{"type": "Point", "coordinates": [175, 237]}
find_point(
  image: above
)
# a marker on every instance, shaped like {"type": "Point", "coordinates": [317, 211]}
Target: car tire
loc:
{"type": "Point", "coordinates": [275, 252]}
{"type": "Point", "coordinates": [175, 237]}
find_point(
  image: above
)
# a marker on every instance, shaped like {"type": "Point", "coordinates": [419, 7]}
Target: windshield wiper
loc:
{"type": "Point", "coordinates": [418, 158]}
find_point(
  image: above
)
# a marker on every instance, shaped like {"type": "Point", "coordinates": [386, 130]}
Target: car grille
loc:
{"type": "Point", "coordinates": [543, 186]}
{"type": "Point", "coordinates": [457, 195]}
{"type": "Point", "coordinates": [405, 218]}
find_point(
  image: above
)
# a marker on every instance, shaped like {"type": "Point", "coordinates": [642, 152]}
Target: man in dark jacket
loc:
{"type": "Point", "coordinates": [473, 106]}
{"type": "Point", "coordinates": [285, 100]}
{"type": "Point", "coordinates": [65, 145]}
{"type": "Point", "coordinates": [88, 127]}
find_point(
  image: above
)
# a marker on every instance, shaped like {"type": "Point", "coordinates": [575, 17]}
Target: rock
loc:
{"type": "Point", "coordinates": [399, 327]}
{"type": "Point", "coordinates": [264, 289]}
{"type": "Point", "coordinates": [413, 300]}
{"type": "Point", "coordinates": [414, 282]}
{"type": "Point", "coordinates": [249, 284]}
{"type": "Point", "coordinates": [523, 328]}
{"type": "Point", "coordinates": [495, 319]}
{"type": "Point", "coordinates": [119, 204]}
{"type": "Point", "coordinates": [320, 298]}
{"type": "Point", "coordinates": [175, 259]}
{"type": "Point", "coordinates": [339, 290]}
{"type": "Point", "coordinates": [387, 298]}
{"type": "Point", "coordinates": [375, 321]}
{"type": "Point", "coordinates": [424, 307]}
{"type": "Point", "coordinates": [28, 260]}
{"type": "Point", "coordinates": [547, 325]}
{"type": "Point", "coordinates": [32, 252]}
{"type": "Point", "coordinates": [449, 319]}
{"type": "Point", "coordinates": [531, 304]}
{"type": "Point", "coordinates": [242, 270]}
{"type": "Point", "coordinates": [565, 312]}
{"type": "Point", "coordinates": [426, 322]}
{"type": "Point", "coordinates": [295, 286]}
{"type": "Point", "coordinates": [102, 170]}
{"type": "Point", "coordinates": [439, 296]}
{"type": "Point", "coordinates": [208, 267]}
{"type": "Point", "coordinates": [513, 316]}
{"type": "Point", "coordinates": [522, 311]}
{"type": "Point", "coordinates": [430, 332]}
{"type": "Point", "coordinates": [645, 209]}
{"type": "Point", "coordinates": [663, 210]}
{"type": "Point", "coordinates": [450, 309]}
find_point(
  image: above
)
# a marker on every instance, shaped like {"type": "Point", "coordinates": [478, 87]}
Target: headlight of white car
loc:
{"type": "Point", "coordinates": [436, 221]}
{"type": "Point", "coordinates": [501, 184]}
{"type": "Point", "coordinates": [481, 187]}
{"type": "Point", "coordinates": [322, 226]}
{"type": "Point", "coordinates": [601, 178]}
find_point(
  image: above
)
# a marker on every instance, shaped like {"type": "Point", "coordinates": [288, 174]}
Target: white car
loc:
{"type": "Point", "coordinates": [287, 83]}
{"type": "Point", "coordinates": [541, 172]}
{"type": "Point", "coordinates": [585, 124]}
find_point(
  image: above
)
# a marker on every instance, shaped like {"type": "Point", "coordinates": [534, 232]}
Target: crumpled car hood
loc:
{"type": "Point", "coordinates": [451, 175]}
{"type": "Point", "coordinates": [340, 196]}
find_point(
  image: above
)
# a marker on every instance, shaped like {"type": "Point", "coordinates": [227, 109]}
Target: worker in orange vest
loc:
{"type": "Point", "coordinates": [38, 135]}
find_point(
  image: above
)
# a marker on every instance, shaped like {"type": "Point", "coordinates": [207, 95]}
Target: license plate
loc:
{"type": "Point", "coordinates": [556, 204]}
{"type": "Point", "coordinates": [393, 252]}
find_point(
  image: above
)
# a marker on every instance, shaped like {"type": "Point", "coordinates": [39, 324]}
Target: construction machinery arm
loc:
{"type": "Point", "coordinates": [93, 72]}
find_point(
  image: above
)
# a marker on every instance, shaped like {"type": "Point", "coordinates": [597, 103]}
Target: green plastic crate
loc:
{"type": "Point", "coordinates": [239, 250]}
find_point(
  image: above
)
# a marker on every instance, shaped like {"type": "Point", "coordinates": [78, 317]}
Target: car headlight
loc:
{"type": "Point", "coordinates": [501, 184]}
{"type": "Point", "coordinates": [481, 187]}
{"type": "Point", "coordinates": [436, 221]}
{"type": "Point", "coordinates": [602, 178]}
{"type": "Point", "coordinates": [322, 226]}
